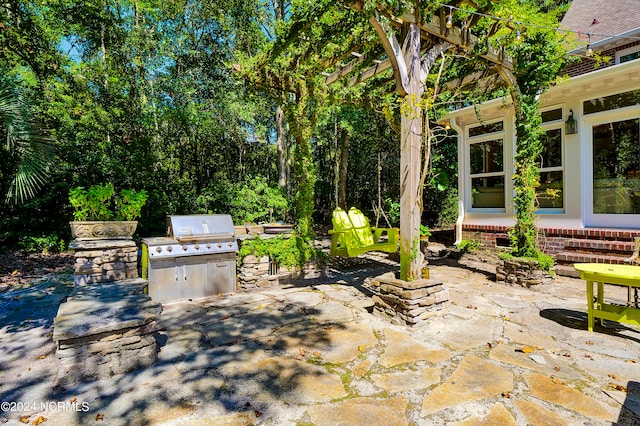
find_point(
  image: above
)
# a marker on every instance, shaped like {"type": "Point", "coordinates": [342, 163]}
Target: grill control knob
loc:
{"type": "Point", "coordinates": [184, 248]}
{"type": "Point", "coordinates": [208, 246]}
{"type": "Point", "coordinates": [169, 249]}
{"type": "Point", "coordinates": [219, 245]}
{"type": "Point", "coordinates": [230, 244]}
{"type": "Point", "coordinates": [158, 249]}
{"type": "Point", "coordinates": [196, 246]}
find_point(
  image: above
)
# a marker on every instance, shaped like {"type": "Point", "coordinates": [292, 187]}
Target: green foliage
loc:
{"type": "Point", "coordinates": [93, 203]}
{"type": "Point", "coordinates": [424, 231]}
{"type": "Point", "coordinates": [47, 244]}
{"type": "Point", "coordinates": [25, 139]}
{"type": "Point", "coordinates": [129, 204]}
{"type": "Point", "coordinates": [98, 203]}
{"type": "Point", "coordinates": [448, 213]}
{"type": "Point", "coordinates": [294, 251]}
{"type": "Point", "coordinates": [469, 246]}
{"type": "Point", "coordinates": [393, 211]}
{"type": "Point", "coordinates": [256, 201]}
{"type": "Point", "coordinates": [545, 262]}
{"type": "Point", "coordinates": [153, 99]}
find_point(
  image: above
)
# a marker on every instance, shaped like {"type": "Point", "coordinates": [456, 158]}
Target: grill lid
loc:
{"type": "Point", "coordinates": [200, 227]}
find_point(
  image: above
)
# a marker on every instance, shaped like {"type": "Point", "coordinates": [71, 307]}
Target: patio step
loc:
{"type": "Point", "coordinates": [580, 250]}
{"type": "Point", "coordinates": [571, 257]}
{"type": "Point", "coordinates": [589, 246]}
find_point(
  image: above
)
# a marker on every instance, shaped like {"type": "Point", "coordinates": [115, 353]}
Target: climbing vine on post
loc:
{"type": "Point", "coordinates": [303, 122]}
{"type": "Point", "coordinates": [538, 61]}
{"type": "Point", "coordinates": [524, 234]}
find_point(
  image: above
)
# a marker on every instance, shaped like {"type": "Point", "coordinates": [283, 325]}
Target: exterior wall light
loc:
{"type": "Point", "coordinates": [571, 126]}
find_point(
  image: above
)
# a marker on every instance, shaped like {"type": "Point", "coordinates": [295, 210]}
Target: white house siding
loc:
{"type": "Point", "coordinates": [576, 212]}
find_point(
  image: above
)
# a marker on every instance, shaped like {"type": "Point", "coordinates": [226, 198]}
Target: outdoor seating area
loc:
{"type": "Point", "coordinates": [196, 194]}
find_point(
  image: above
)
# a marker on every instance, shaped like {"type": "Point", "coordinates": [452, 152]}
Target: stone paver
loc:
{"type": "Point", "coordinates": [498, 415]}
{"type": "Point", "coordinates": [551, 390]}
{"type": "Point", "coordinates": [401, 348]}
{"type": "Point", "coordinates": [311, 354]}
{"type": "Point", "coordinates": [285, 379]}
{"type": "Point", "coordinates": [474, 379]}
{"type": "Point", "coordinates": [362, 411]}
{"type": "Point", "coordinates": [461, 335]}
{"type": "Point", "coordinates": [536, 414]}
{"type": "Point", "coordinates": [406, 381]}
{"type": "Point", "coordinates": [554, 365]}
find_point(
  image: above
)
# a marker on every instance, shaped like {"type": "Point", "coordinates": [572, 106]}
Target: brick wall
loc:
{"type": "Point", "coordinates": [587, 65]}
{"type": "Point", "coordinates": [552, 240]}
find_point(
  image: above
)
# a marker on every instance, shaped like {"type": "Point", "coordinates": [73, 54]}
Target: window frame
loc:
{"type": "Point", "coordinates": [556, 125]}
{"type": "Point", "coordinates": [499, 135]}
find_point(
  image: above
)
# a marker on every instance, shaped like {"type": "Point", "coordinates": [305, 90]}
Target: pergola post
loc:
{"type": "Point", "coordinates": [411, 132]}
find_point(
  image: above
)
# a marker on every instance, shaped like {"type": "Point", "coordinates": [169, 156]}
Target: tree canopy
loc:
{"type": "Point", "coordinates": [180, 98]}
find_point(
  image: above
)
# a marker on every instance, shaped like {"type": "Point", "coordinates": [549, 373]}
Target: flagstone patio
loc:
{"type": "Point", "coordinates": [311, 354]}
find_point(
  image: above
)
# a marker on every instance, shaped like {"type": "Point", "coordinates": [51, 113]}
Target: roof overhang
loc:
{"type": "Point", "coordinates": [613, 76]}
{"type": "Point", "coordinates": [610, 42]}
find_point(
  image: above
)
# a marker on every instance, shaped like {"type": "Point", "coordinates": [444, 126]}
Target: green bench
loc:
{"type": "Point", "coordinates": [352, 235]}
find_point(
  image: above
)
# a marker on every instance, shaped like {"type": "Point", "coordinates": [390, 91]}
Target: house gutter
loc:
{"type": "Point", "coordinates": [599, 43]}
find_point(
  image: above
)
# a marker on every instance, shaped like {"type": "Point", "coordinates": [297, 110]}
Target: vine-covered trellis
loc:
{"type": "Point", "coordinates": [354, 42]}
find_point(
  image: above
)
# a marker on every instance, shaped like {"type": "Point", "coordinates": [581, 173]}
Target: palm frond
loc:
{"type": "Point", "coordinates": [27, 140]}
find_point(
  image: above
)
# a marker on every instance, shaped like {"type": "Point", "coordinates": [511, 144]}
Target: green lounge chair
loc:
{"type": "Point", "coordinates": [352, 235]}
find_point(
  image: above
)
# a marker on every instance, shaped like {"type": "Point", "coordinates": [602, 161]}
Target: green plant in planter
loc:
{"type": "Point", "coordinates": [424, 231]}
{"type": "Point", "coordinates": [98, 203]}
{"type": "Point", "coordinates": [129, 204]}
{"type": "Point", "coordinates": [545, 262]}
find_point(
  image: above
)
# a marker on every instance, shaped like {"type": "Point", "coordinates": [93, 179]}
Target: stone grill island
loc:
{"type": "Point", "coordinates": [108, 324]}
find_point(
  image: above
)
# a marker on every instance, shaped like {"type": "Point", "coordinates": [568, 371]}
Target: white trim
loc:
{"type": "Point", "coordinates": [591, 120]}
{"type": "Point", "coordinates": [500, 135]}
{"type": "Point", "coordinates": [556, 125]}
{"type": "Point", "coordinates": [577, 167]}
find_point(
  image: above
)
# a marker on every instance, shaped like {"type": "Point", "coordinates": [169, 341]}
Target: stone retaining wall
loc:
{"type": "Point", "coordinates": [100, 261]}
{"type": "Point", "coordinates": [408, 303]}
{"type": "Point", "coordinates": [104, 330]}
{"type": "Point", "coordinates": [258, 273]}
{"type": "Point", "coordinates": [521, 272]}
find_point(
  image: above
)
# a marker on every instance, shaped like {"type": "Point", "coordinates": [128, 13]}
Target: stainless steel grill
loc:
{"type": "Point", "coordinates": [196, 259]}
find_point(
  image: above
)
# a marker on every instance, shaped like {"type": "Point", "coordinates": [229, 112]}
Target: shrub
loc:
{"type": "Point", "coordinates": [469, 245]}
{"type": "Point", "coordinates": [48, 244]}
{"type": "Point", "coordinates": [256, 202]}
{"type": "Point", "coordinates": [424, 231]}
{"type": "Point", "coordinates": [545, 262]}
{"type": "Point", "coordinates": [393, 210]}
{"type": "Point", "coordinates": [294, 251]}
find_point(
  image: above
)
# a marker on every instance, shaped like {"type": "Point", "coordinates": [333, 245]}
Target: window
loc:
{"type": "Point", "coordinates": [486, 165]}
{"type": "Point", "coordinates": [619, 100]}
{"type": "Point", "coordinates": [627, 55]}
{"type": "Point", "coordinates": [550, 193]}
{"type": "Point", "coordinates": [616, 167]}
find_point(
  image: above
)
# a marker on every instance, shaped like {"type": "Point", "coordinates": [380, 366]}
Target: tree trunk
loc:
{"type": "Point", "coordinates": [280, 141]}
{"type": "Point", "coordinates": [344, 162]}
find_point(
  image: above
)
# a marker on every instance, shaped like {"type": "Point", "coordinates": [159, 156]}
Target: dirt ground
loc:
{"type": "Point", "coordinates": [19, 270]}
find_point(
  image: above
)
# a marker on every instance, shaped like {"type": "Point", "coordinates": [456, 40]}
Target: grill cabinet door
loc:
{"type": "Point", "coordinates": [164, 284]}
{"type": "Point", "coordinates": [221, 275]}
{"type": "Point", "coordinates": [193, 274]}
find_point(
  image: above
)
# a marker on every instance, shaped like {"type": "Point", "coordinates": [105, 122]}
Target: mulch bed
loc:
{"type": "Point", "coordinates": [19, 270]}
